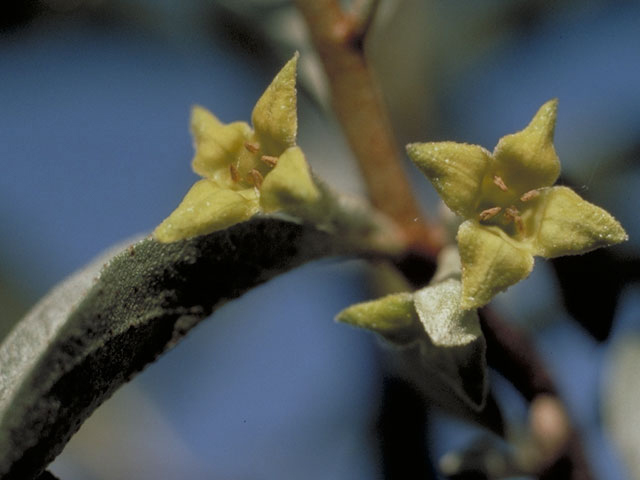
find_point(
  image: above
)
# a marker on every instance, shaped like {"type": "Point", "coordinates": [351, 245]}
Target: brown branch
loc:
{"type": "Point", "coordinates": [363, 14]}
{"type": "Point", "coordinates": [359, 108]}
{"type": "Point", "coordinates": [511, 353]}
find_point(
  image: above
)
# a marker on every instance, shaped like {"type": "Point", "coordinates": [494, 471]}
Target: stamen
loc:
{"type": "Point", "coordinates": [519, 224]}
{"type": "Point", "coordinates": [269, 160]}
{"type": "Point", "coordinates": [252, 147]}
{"type": "Point", "coordinates": [256, 178]}
{"type": "Point", "coordinates": [500, 183]}
{"type": "Point", "coordinates": [531, 194]}
{"type": "Point", "coordinates": [235, 175]}
{"type": "Point", "coordinates": [489, 213]}
{"type": "Point", "coordinates": [512, 213]}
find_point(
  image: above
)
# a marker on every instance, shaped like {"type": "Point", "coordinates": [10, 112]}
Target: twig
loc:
{"type": "Point", "coordinates": [362, 15]}
{"type": "Point", "coordinates": [511, 353]}
{"type": "Point", "coordinates": [359, 108]}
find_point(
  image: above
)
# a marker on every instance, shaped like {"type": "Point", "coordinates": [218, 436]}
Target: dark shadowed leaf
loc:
{"type": "Point", "coordinates": [591, 285]}
{"type": "Point", "coordinates": [58, 365]}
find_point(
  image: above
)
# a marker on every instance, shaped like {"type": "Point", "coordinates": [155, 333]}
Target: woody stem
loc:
{"type": "Point", "coordinates": [339, 39]}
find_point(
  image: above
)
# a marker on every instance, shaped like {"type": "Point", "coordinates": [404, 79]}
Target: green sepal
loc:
{"type": "Point", "coordinates": [274, 117]}
{"type": "Point", "coordinates": [527, 159]}
{"type": "Point", "coordinates": [456, 171]}
{"type": "Point", "coordinates": [205, 209]}
{"type": "Point", "coordinates": [570, 225]}
{"type": "Point", "coordinates": [491, 262]}
{"type": "Point", "coordinates": [393, 317]}
{"type": "Point", "coordinates": [217, 144]}
{"type": "Point", "coordinates": [289, 186]}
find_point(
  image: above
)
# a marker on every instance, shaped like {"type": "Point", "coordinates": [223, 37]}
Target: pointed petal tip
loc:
{"type": "Point", "coordinates": [274, 116]}
{"type": "Point", "coordinates": [422, 154]}
{"type": "Point", "coordinates": [550, 105]}
{"type": "Point", "coordinates": [197, 109]}
{"type": "Point", "coordinates": [201, 118]}
{"type": "Point", "coordinates": [617, 233]}
{"type": "Point", "coordinates": [545, 117]}
{"type": "Point", "coordinates": [394, 317]}
{"type": "Point", "coordinates": [573, 226]}
{"type": "Point", "coordinates": [455, 169]}
{"type": "Point", "coordinates": [290, 68]}
{"type": "Point", "coordinates": [527, 159]}
{"type": "Point", "coordinates": [411, 148]}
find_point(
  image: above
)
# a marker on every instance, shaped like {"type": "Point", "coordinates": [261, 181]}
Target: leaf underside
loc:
{"type": "Point", "coordinates": [145, 300]}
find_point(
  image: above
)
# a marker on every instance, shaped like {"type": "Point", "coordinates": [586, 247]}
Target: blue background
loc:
{"type": "Point", "coordinates": [94, 148]}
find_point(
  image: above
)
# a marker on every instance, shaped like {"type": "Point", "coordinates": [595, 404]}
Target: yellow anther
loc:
{"type": "Point", "coordinates": [489, 213]}
{"type": "Point", "coordinates": [269, 160]}
{"type": "Point", "coordinates": [256, 178]}
{"type": "Point", "coordinates": [531, 194]}
{"type": "Point", "coordinates": [252, 147]}
{"type": "Point", "coordinates": [500, 183]}
{"type": "Point", "coordinates": [235, 175]}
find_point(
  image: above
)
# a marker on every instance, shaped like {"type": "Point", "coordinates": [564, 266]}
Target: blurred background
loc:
{"type": "Point", "coordinates": [95, 148]}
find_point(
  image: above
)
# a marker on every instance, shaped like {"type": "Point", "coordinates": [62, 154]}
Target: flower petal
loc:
{"type": "Point", "coordinates": [527, 160]}
{"type": "Point", "coordinates": [393, 317]}
{"type": "Point", "coordinates": [205, 209]}
{"type": "Point", "coordinates": [570, 225]}
{"type": "Point", "coordinates": [274, 117]}
{"type": "Point", "coordinates": [456, 171]}
{"type": "Point", "coordinates": [289, 185]}
{"type": "Point", "coordinates": [490, 263]}
{"type": "Point", "coordinates": [217, 144]}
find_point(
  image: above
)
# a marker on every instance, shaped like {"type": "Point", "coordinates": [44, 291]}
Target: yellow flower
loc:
{"type": "Point", "coordinates": [511, 210]}
{"type": "Point", "coordinates": [245, 170]}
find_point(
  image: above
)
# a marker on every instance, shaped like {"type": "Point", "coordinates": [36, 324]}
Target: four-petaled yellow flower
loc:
{"type": "Point", "coordinates": [245, 170]}
{"type": "Point", "coordinates": [512, 213]}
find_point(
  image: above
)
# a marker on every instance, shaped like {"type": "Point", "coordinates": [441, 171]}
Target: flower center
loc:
{"type": "Point", "coordinates": [511, 213]}
{"type": "Point", "coordinates": [250, 168]}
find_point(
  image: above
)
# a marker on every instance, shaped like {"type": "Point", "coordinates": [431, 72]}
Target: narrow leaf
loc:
{"type": "Point", "coordinates": [58, 367]}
